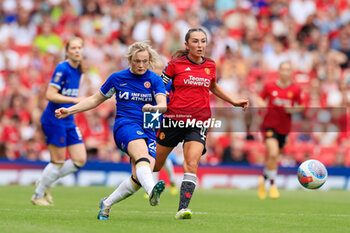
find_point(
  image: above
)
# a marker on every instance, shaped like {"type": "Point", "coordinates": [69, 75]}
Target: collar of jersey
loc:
{"type": "Point", "coordinates": [283, 87]}
{"type": "Point", "coordinates": [204, 60]}
{"type": "Point", "coordinates": [137, 75]}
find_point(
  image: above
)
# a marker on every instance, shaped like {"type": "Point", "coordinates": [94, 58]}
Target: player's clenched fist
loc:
{"type": "Point", "coordinates": [61, 113]}
{"type": "Point", "coordinates": [244, 103]}
{"type": "Point", "coordinates": [148, 108]}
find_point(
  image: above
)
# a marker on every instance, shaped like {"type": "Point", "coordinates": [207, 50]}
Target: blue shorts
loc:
{"type": "Point", "coordinates": [132, 131]}
{"type": "Point", "coordinates": [62, 136]}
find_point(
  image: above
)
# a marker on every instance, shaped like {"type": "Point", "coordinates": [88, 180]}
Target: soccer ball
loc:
{"type": "Point", "coordinates": [312, 174]}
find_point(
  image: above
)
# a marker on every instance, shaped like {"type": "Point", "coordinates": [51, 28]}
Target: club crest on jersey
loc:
{"type": "Point", "coordinates": [207, 70]}
{"type": "Point", "coordinates": [161, 136]}
{"type": "Point", "coordinates": [139, 132]}
{"type": "Point", "coordinates": [147, 84]}
{"type": "Point", "coordinates": [290, 94]}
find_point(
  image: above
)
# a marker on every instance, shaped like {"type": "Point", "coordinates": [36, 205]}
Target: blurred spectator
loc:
{"type": "Point", "coordinates": [212, 23]}
{"type": "Point", "coordinates": [300, 57]}
{"type": "Point", "coordinates": [235, 153]}
{"type": "Point", "coordinates": [301, 9]}
{"type": "Point", "coordinates": [149, 29]}
{"type": "Point", "coordinates": [225, 5]}
{"type": "Point", "coordinates": [23, 30]}
{"type": "Point", "coordinates": [8, 57]}
{"type": "Point", "coordinates": [247, 39]}
{"type": "Point", "coordinates": [274, 58]}
{"type": "Point", "coordinates": [48, 41]}
{"type": "Point", "coordinates": [328, 20]}
{"type": "Point", "coordinates": [11, 137]}
{"type": "Point", "coordinates": [325, 132]}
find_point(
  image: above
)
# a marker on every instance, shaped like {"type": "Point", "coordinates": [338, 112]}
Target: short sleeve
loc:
{"type": "Point", "coordinates": [168, 73]}
{"type": "Point", "coordinates": [57, 77]}
{"type": "Point", "coordinates": [158, 86]}
{"type": "Point", "coordinates": [169, 70]}
{"type": "Point", "coordinates": [108, 88]}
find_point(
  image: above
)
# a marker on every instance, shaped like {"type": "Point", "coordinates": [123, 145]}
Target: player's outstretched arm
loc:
{"type": "Point", "coordinates": [84, 105]}
{"type": "Point", "coordinates": [260, 102]}
{"type": "Point", "coordinates": [53, 95]}
{"type": "Point", "coordinates": [161, 105]}
{"type": "Point", "coordinates": [295, 109]}
{"type": "Point", "coordinates": [219, 92]}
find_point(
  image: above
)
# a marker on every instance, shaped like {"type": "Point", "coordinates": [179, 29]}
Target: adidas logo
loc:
{"type": "Point", "coordinates": [188, 68]}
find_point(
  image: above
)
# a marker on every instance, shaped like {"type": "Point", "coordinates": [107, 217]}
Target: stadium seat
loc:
{"type": "Point", "coordinates": [347, 156]}
{"type": "Point", "coordinates": [327, 154]}
{"type": "Point", "coordinates": [256, 151]}
{"type": "Point", "coordinates": [301, 149]}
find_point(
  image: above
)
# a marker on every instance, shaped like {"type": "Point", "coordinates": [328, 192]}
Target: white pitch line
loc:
{"type": "Point", "coordinates": [172, 212]}
{"type": "Point", "coordinates": [48, 209]}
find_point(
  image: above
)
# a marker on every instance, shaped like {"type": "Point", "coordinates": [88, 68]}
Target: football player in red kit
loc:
{"type": "Point", "coordinates": [193, 76]}
{"type": "Point", "coordinates": [282, 98]}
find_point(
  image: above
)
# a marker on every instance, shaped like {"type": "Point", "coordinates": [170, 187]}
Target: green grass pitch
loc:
{"type": "Point", "coordinates": [221, 210]}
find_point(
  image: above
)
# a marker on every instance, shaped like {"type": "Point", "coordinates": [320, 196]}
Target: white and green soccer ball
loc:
{"type": "Point", "coordinates": [312, 174]}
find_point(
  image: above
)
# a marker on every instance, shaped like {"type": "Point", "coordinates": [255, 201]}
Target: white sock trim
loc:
{"type": "Point", "coordinates": [190, 174]}
{"type": "Point", "coordinates": [271, 174]}
{"type": "Point", "coordinates": [190, 177]}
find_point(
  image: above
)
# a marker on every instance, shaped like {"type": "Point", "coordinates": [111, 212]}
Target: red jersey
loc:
{"type": "Point", "coordinates": [189, 96]}
{"type": "Point", "coordinates": [279, 98]}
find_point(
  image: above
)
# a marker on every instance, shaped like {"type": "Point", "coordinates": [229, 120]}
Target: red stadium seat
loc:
{"type": "Point", "coordinates": [301, 149]}
{"type": "Point", "coordinates": [327, 154]}
{"type": "Point", "coordinates": [347, 156]}
{"type": "Point", "coordinates": [256, 151]}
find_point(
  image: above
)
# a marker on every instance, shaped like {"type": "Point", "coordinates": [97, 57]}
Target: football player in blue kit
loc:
{"type": "Point", "coordinates": [62, 134]}
{"type": "Point", "coordinates": [137, 90]}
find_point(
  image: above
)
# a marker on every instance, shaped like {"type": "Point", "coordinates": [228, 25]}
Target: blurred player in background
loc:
{"type": "Point", "coordinates": [282, 98]}
{"type": "Point", "coordinates": [192, 75]}
{"type": "Point", "coordinates": [62, 134]}
{"type": "Point", "coordinates": [137, 90]}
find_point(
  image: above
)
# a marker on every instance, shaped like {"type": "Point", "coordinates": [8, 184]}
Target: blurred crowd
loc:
{"type": "Point", "coordinates": [247, 39]}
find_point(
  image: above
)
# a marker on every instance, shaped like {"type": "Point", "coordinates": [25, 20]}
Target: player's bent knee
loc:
{"type": "Point", "coordinates": [273, 155]}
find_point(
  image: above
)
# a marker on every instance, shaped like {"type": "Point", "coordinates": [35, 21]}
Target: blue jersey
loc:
{"type": "Point", "coordinates": [132, 93]}
{"type": "Point", "coordinates": [66, 79]}
{"type": "Point", "coordinates": [168, 89]}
